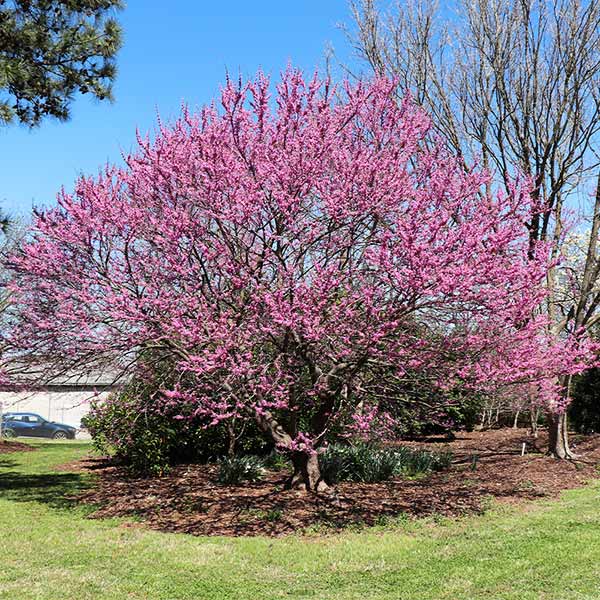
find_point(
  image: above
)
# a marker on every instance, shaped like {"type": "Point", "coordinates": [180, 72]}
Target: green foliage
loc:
{"type": "Point", "coordinates": [237, 469]}
{"type": "Point", "coordinates": [419, 407]}
{"type": "Point", "coordinates": [276, 460]}
{"type": "Point", "coordinates": [368, 463]}
{"type": "Point", "coordinates": [465, 413]}
{"type": "Point", "coordinates": [145, 441]}
{"type": "Point", "coordinates": [130, 427]}
{"type": "Point", "coordinates": [584, 410]}
{"type": "Point", "coordinates": [51, 50]}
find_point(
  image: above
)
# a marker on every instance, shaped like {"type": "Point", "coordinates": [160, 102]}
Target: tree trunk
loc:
{"type": "Point", "coordinates": [231, 439]}
{"type": "Point", "coordinates": [534, 417]}
{"type": "Point", "coordinates": [307, 475]}
{"type": "Point", "coordinates": [482, 421]}
{"type": "Point", "coordinates": [558, 437]}
{"type": "Point", "coordinates": [516, 420]}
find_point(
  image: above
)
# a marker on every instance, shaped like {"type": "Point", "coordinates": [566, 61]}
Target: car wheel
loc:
{"type": "Point", "coordinates": [8, 433]}
{"type": "Point", "coordinates": [60, 435]}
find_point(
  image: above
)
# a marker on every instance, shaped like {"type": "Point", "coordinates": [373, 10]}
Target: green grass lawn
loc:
{"type": "Point", "coordinates": [50, 550]}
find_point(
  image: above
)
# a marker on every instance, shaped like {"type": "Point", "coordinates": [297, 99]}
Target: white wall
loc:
{"type": "Point", "coordinates": [61, 406]}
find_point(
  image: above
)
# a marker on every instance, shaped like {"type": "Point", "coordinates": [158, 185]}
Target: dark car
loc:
{"type": "Point", "coordinates": [32, 425]}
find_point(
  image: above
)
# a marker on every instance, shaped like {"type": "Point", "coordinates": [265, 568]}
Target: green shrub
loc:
{"type": "Point", "coordinates": [276, 460]}
{"type": "Point", "coordinates": [584, 410]}
{"type": "Point", "coordinates": [237, 469]}
{"type": "Point", "coordinates": [368, 463]}
{"type": "Point", "coordinates": [130, 427]}
{"type": "Point", "coordinates": [146, 441]}
{"type": "Point", "coordinates": [140, 440]}
{"type": "Point", "coordinates": [418, 407]}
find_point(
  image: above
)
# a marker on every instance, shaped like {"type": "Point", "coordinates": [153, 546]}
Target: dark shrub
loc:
{"type": "Point", "coordinates": [237, 469]}
{"type": "Point", "coordinates": [584, 410]}
{"type": "Point", "coordinates": [418, 407]}
{"type": "Point", "coordinates": [147, 437]}
{"type": "Point", "coordinates": [368, 463]}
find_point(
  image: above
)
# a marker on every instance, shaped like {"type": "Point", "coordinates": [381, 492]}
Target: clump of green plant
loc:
{"type": "Point", "coordinates": [474, 460]}
{"type": "Point", "coordinates": [412, 461]}
{"type": "Point", "coordinates": [369, 463]}
{"type": "Point", "coordinates": [148, 436]}
{"type": "Point", "coordinates": [274, 515]}
{"type": "Point", "coordinates": [237, 469]}
{"type": "Point", "coordinates": [361, 462]}
{"type": "Point", "coordinates": [276, 460]}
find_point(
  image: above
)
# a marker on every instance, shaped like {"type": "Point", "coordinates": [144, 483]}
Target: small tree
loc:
{"type": "Point", "coordinates": [50, 50]}
{"type": "Point", "coordinates": [295, 262]}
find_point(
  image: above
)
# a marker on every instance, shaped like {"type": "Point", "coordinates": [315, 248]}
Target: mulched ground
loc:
{"type": "Point", "coordinates": [487, 464]}
{"type": "Point", "coordinates": [7, 446]}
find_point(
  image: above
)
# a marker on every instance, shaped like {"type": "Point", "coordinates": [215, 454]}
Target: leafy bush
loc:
{"type": "Point", "coordinates": [584, 410]}
{"type": "Point", "coordinates": [133, 427]}
{"type": "Point", "coordinates": [415, 407]}
{"type": "Point", "coordinates": [147, 441]}
{"type": "Point", "coordinates": [137, 439]}
{"type": "Point", "coordinates": [276, 460]}
{"type": "Point", "coordinates": [368, 463]}
{"type": "Point", "coordinates": [237, 469]}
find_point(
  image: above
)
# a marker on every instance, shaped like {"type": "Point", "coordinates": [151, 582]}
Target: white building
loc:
{"type": "Point", "coordinates": [64, 400]}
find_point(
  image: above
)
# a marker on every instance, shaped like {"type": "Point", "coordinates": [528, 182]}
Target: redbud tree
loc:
{"type": "Point", "coordinates": [293, 255]}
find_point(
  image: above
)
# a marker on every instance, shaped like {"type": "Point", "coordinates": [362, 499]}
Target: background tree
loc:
{"type": "Point", "coordinates": [294, 259]}
{"type": "Point", "coordinates": [52, 49]}
{"type": "Point", "coordinates": [513, 85]}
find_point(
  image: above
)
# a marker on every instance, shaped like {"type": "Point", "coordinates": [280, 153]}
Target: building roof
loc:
{"type": "Point", "coordinates": [39, 377]}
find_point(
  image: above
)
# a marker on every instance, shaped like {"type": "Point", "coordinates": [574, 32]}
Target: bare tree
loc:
{"type": "Point", "coordinates": [513, 85]}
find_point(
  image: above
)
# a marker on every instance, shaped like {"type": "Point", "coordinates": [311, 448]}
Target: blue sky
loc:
{"type": "Point", "coordinates": [169, 56]}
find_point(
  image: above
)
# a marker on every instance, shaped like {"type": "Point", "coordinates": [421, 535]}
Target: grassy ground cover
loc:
{"type": "Point", "coordinates": [49, 550]}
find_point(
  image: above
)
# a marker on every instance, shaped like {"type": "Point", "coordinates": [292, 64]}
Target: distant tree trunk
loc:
{"type": "Point", "coordinates": [534, 415]}
{"type": "Point", "coordinates": [558, 437]}
{"type": "Point", "coordinates": [307, 474]}
{"type": "Point", "coordinates": [516, 421]}
{"type": "Point", "coordinates": [558, 432]}
{"type": "Point", "coordinates": [482, 422]}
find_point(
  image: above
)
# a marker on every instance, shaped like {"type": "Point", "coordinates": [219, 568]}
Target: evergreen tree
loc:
{"type": "Point", "coordinates": [52, 49]}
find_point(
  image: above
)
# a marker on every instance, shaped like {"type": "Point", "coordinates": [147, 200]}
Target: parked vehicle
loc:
{"type": "Point", "coordinates": [32, 425]}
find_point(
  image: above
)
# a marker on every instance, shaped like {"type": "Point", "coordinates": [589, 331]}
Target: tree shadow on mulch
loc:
{"type": "Point", "coordinates": [487, 465]}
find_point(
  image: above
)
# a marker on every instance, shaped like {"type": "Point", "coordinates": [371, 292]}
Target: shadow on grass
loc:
{"type": "Point", "coordinates": [58, 490]}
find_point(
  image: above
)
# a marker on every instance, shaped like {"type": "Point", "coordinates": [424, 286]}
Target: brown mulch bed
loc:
{"type": "Point", "coordinates": [7, 446]}
{"type": "Point", "coordinates": [487, 464]}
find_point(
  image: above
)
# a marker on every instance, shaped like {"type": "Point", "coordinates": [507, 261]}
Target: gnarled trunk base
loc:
{"type": "Point", "coordinates": [307, 475]}
{"type": "Point", "coordinates": [558, 437]}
